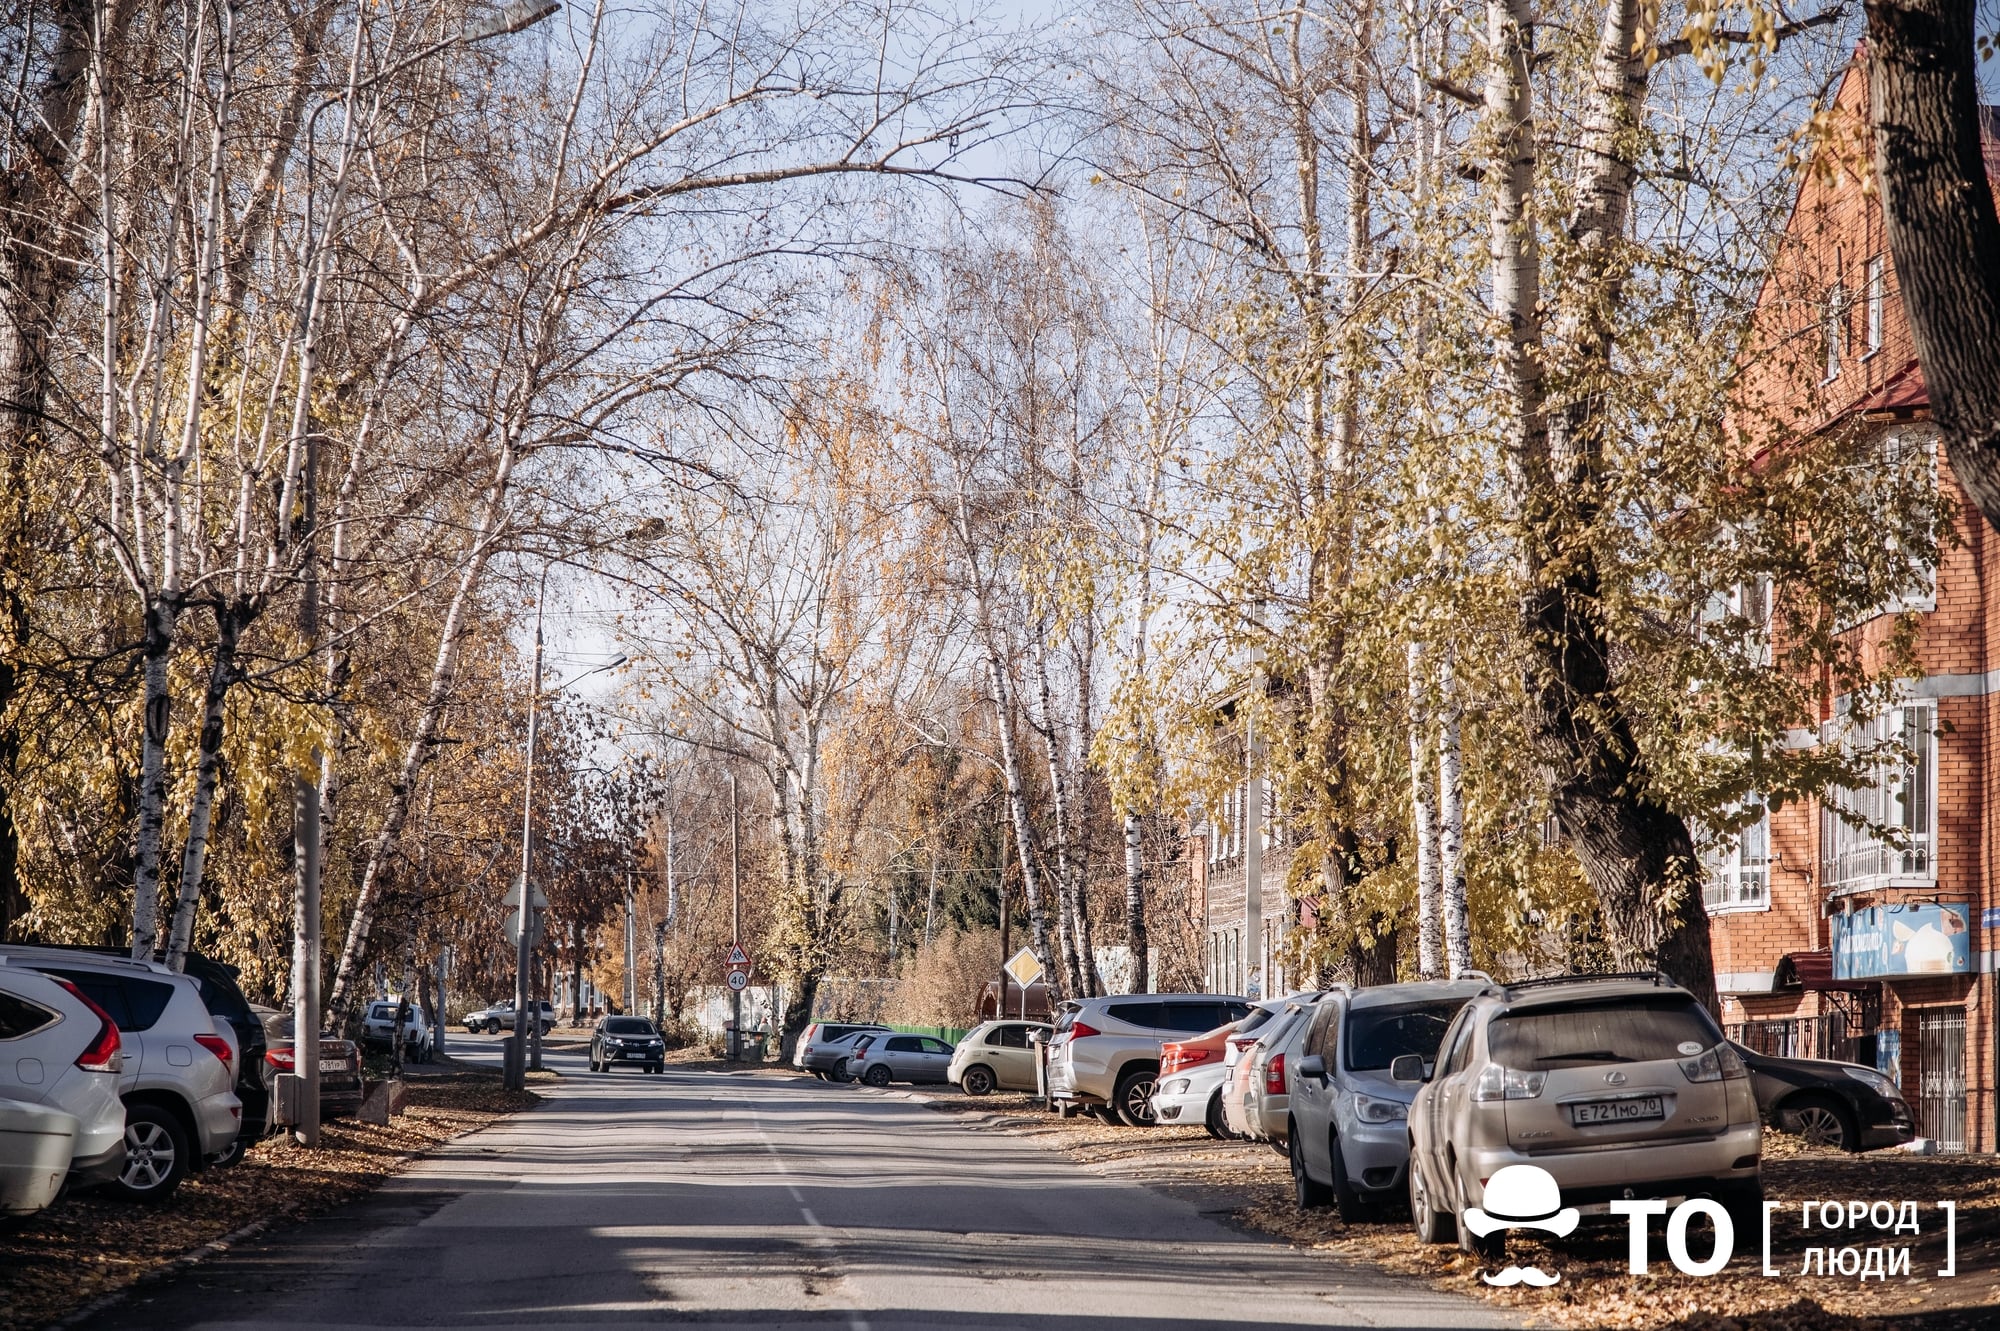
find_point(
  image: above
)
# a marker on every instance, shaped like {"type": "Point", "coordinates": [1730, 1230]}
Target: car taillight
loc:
{"type": "Point", "coordinates": [102, 1053]}
{"type": "Point", "coordinates": [1078, 1029]}
{"type": "Point", "coordinates": [281, 1059]}
{"type": "Point", "coordinates": [1274, 1075]}
{"type": "Point", "coordinates": [1717, 1064]}
{"type": "Point", "coordinates": [218, 1046]}
{"type": "Point", "coordinates": [1498, 1083]}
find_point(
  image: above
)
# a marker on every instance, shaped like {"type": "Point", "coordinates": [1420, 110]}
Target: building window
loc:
{"type": "Point", "coordinates": [1738, 868]}
{"type": "Point", "coordinates": [1747, 607]}
{"type": "Point", "coordinates": [1872, 293]}
{"type": "Point", "coordinates": [1889, 834]}
{"type": "Point", "coordinates": [1833, 330]}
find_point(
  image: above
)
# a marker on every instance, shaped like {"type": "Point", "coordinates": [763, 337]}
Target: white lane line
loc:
{"type": "Point", "coordinates": [817, 1234]}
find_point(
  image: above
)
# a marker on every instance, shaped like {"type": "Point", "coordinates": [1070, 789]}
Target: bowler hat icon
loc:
{"type": "Point", "coordinates": [1522, 1197]}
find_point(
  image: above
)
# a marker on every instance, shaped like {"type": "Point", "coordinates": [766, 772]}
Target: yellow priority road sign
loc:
{"type": "Point", "coordinates": [1024, 968]}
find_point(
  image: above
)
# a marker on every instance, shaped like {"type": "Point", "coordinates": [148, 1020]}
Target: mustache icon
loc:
{"type": "Point", "coordinates": [1521, 1275]}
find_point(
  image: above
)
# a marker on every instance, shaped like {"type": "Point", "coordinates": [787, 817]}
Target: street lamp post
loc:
{"type": "Point", "coordinates": [524, 1049]}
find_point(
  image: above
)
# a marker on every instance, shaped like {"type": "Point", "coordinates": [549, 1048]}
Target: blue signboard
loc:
{"type": "Point", "coordinates": [1921, 938]}
{"type": "Point", "coordinates": [1990, 918]}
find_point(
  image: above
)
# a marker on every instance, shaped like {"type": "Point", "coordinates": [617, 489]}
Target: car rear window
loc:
{"type": "Point", "coordinates": [1194, 1018]}
{"type": "Point", "coordinates": [1135, 1014]}
{"type": "Point", "coordinates": [1618, 1030]}
{"type": "Point", "coordinates": [1376, 1036]}
{"type": "Point", "coordinates": [19, 1017]}
{"type": "Point", "coordinates": [134, 1004]}
{"type": "Point", "coordinates": [628, 1026]}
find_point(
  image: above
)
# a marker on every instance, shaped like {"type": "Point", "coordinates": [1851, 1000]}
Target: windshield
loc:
{"type": "Point", "coordinates": [627, 1026]}
{"type": "Point", "coordinates": [1375, 1037]}
{"type": "Point", "coordinates": [1621, 1030]}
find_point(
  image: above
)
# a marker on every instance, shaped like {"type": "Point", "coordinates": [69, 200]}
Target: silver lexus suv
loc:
{"type": "Point", "coordinates": [1617, 1086]}
{"type": "Point", "coordinates": [1105, 1052]}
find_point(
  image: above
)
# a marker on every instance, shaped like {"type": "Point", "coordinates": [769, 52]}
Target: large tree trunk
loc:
{"type": "Point", "coordinates": [158, 713]}
{"type": "Point", "coordinates": [1451, 824]}
{"type": "Point", "coordinates": [1135, 902]}
{"type": "Point", "coordinates": [208, 771]}
{"type": "Point", "coordinates": [1937, 203]}
{"type": "Point", "coordinates": [1424, 820]}
{"type": "Point", "coordinates": [1636, 853]}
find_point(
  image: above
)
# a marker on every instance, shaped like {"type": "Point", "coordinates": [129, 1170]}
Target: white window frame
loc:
{"type": "Point", "coordinates": [1738, 869]}
{"type": "Point", "coordinates": [1889, 449]}
{"type": "Point", "coordinates": [1854, 859]}
{"type": "Point", "coordinates": [1873, 293]}
{"type": "Point", "coordinates": [1833, 332]}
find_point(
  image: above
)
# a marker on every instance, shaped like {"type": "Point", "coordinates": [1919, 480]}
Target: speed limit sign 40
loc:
{"type": "Point", "coordinates": [739, 980]}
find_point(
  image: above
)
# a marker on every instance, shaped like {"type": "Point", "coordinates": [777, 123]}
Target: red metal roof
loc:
{"type": "Point", "coordinates": [1814, 970]}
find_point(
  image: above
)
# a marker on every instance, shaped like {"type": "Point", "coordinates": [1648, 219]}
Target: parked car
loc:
{"type": "Point", "coordinates": [1349, 1137]}
{"type": "Point", "coordinates": [179, 1070]}
{"type": "Point", "coordinates": [222, 994]}
{"type": "Point", "coordinates": [500, 1017]}
{"type": "Point", "coordinates": [37, 1142]}
{"type": "Point", "coordinates": [824, 1048]}
{"type": "Point", "coordinates": [61, 1051]}
{"type": "Point", "coordinates": [627, 1040]}
{"type": "Point", "coordinates": [1617, 1086]}
{"type": "Point", "coordinates": [1844, 1105]}
{"type": "Point", "coordinates": [340, 1088]}
{"type": "Point", "coordinates": [1105, 1052]}
{"type": "Point", "coordinates": [1255, 1102]}
{"type": "Point", "coordinates": [380, 1022]}
{"type": "Point", "coordinates": [882, 1057]}
{"type": "Point", "coordinates": [995, 1056]}
{"type": "Point", "coordinates": [1194, 1072]}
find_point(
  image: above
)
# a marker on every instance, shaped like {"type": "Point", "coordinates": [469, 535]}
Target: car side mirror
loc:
{"type": "Point", "coordinates": [1314, 1066]}
{"type": "Point", "coordinates": [1407, 1067]}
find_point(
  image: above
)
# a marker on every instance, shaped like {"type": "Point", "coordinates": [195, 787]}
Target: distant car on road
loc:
{"type": "Point", "coordinates": [380, 1022]}
{"type": "Point", "coordinates": [1843, 1105]}
{"type": "Point", "coordinates": [339, 1064]}
{"type": "Point", "coordinates": [61, 1051]}
{"type": "Point", "coordinates": [824, 1047]}
{"type": "Point", "coordinates": [880, 1058]}
{"type": "Point", "coordinates": [500, 1017]}
{"type": "Point", "coordinates": [627, 1040]}
{"type": "Point", "coordinates": [995, 1056]}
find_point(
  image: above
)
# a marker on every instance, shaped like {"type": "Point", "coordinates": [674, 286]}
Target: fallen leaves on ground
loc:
{"type": "Point", "coordinates": [1252, 1183]}
{"type": "Point", "coordinates": [84, 1247]}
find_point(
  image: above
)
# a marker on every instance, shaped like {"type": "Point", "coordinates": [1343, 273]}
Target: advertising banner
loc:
{"type": "Point", "coordinates": [1921, 938]}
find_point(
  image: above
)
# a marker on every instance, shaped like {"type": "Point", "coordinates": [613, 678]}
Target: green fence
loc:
{"type": "Point", "coordinates": [949, 1034]}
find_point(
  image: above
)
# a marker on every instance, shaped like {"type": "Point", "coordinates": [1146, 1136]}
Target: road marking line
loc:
{"type": "Point", "coordinates": [820, 1236]}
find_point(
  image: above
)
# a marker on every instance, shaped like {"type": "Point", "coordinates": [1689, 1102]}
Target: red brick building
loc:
{"type": "Point", "coordinates": [1830, 941]}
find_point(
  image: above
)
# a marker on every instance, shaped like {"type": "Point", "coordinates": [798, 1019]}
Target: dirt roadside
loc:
{"type": "Point", "coordinates": [69, 1256]}
{"type": "Point", "coordinates": [1251, 1183]}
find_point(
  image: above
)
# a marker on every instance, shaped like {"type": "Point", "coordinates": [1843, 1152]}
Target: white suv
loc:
{"type": "Point", "coordinates": [179, 1076]}
{"type": "Point", "coordinates": [58, 1049]}
{"type": "Point", "coordinates": [1105, 1053]}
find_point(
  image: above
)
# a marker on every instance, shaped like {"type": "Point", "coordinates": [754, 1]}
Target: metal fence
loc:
{"type": "Point", "coordinates": [1941, 1079]}
{"type": "Point", "coordinates": [1827, 1036]}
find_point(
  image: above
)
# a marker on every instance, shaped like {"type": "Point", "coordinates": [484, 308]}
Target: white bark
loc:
{"type": "Point", "coordinates": [1424, 821]}
{"type": "Point", "coordinates": [1451, 822]}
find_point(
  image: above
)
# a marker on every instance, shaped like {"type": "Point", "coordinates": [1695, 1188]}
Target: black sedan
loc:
{"type": "Point", "coordinates": [627, 1040]}
{"type": "Point", "coordinates": [339, 1065]}
{"type": "Point", "coordinates": [1843, 1105]}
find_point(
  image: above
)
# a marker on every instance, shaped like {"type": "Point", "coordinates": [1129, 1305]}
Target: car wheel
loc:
{"type": "Point", "coordinates": [492, 1026]}
{"type": "Point", "coordinates": [1134, 1098]}
{"type": "Point", "coordinates": [230, 1154]}
{"type": "Point", "coordinates": [1307, 1191]}
{"type": "Point", "coordinates": [1354, 1209]}
{"type": "Point", "coordinates": [1745, 1204]}
{"type": "Point", "coordinates": [877, 1076]}
{"type": "Point", "coordinates": [595, 1064]}
{"type": "Point", "coordinates": [977, 1080]}
{"type": "Point", "coordinates": [1430, 1224]}
{"type": "Point", "coordinates": [1489, 1247]}
{"type": "Point", "coordinates": [659, 1069]}
{"type": "Point", "coordinates": [1212, 1120]}
{"type": "Point", "coordinates": [156, 1154]}
{"type": "Point", "coordinates": [1821, 1121]}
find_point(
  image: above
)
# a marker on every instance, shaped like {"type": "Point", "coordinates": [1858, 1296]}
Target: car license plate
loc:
{"type": "Point", "coordinates": [333, 1065]}
{"type": "Point", "coordinates": [1636, 1108]}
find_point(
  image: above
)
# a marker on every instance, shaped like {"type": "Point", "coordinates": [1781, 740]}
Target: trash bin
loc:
{"type": "Point", "coordinates": [753, 1045]}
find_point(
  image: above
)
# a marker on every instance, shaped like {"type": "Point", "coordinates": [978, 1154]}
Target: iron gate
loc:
{"type": "Point", "coordinates": [1941, 1079]}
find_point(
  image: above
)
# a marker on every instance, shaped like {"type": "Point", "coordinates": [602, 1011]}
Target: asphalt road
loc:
{"type": "Point", "coordinates": [746, 1200]}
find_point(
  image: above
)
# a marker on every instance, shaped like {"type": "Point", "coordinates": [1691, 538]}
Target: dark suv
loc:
{"type": "Point", "coordinates": [627, 1040]}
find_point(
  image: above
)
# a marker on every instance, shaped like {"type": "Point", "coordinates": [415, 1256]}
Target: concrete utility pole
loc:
{"type": "Point", "coordinates": [517, 1044]}
{"type": "Point", "coordinates": [735, 1042]}
{"type": "Point", "coordinates": [1253, 864]}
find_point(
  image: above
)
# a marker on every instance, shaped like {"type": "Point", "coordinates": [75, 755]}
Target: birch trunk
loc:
{"type": "Point", "coordinates": [1451, 823]}
{"type": "Point", "coordinates": [1424, 821]}
{"type": "Point", "coordinates": [1135, 902]}
{"type": "Point", "coordinates": [208, 771]}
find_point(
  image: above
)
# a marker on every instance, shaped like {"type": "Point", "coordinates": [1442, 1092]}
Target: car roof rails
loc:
{"type": "Point", "coordinates": [1477, 975]}
{"type": "Point", "coordinates": [1655, 978]}
{"type": "Point", "coordinates": [49, 953]}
